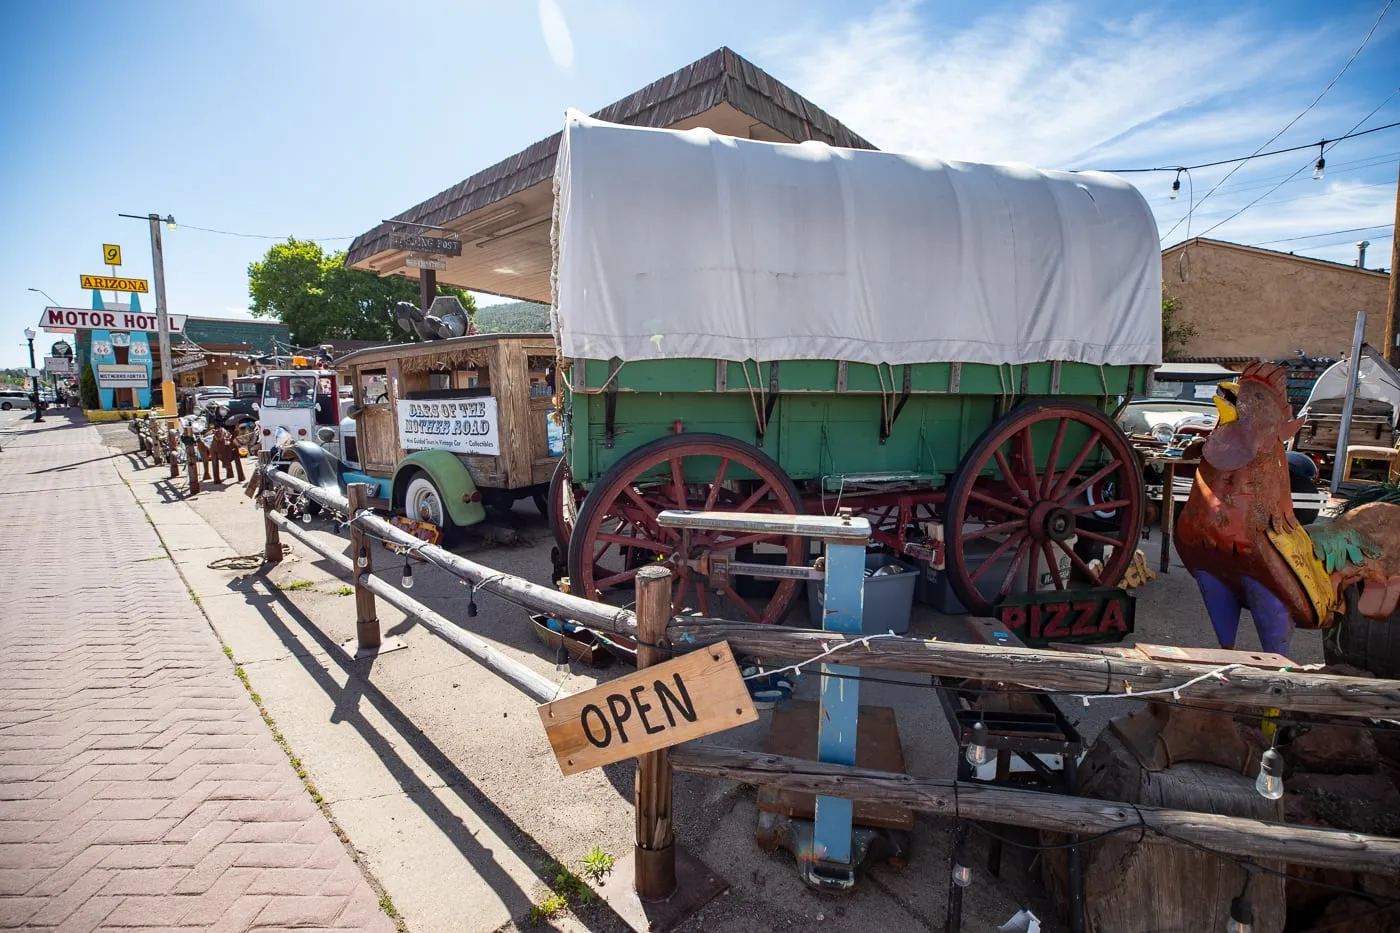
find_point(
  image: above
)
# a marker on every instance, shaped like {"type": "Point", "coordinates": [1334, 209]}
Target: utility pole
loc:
{"type": "Point", "coordinates": [167, 374]}
{"type": "Point", "coordinates": [1392, 305]}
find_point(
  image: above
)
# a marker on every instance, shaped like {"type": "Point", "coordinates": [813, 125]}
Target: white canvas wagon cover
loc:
{"type": "Point", "coordinates": [691, 244]}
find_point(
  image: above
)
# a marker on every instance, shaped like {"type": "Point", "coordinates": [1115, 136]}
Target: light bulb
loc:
{"type": "Point", "coordinates": [962, 875]}
{"type": "Point", "coordinates": [1176, 188]}
{"type": "Point", "coordinates": [362, 558]}
{"type": "Point", "coordinates": [1241, 916]}
{"type": "Point", "coordinates": [978, 753]}
{"type": "Point", "coordinates": [305, 517]}
{"type": "Point", "coordinates": [1269, 783]}
{"type": "Point", "coordinates": [407, 581]}
{"type": "Point", "coordinates": [1318, 167]}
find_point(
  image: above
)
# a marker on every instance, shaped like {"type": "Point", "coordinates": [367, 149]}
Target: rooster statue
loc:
{"type": "Point", "coordinates": [1238, 538]}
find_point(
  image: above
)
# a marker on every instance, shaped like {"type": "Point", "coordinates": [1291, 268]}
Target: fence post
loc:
{"type": "Point", "coordinates": [655, 851]}
{"type": "Point", "coordinates": [191, 455]}
{"type": "Point", "coordinates": [272, 552]}
{"type": "Point", "coordinates": [172, 445]}
{"type": "Point", "coordinates": [366, 619]}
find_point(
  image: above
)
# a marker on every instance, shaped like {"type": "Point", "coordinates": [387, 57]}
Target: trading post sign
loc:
{"type": "Point", "coordinates": [695, 695]}
{"type": "Point", "coordinates": [412, 242]}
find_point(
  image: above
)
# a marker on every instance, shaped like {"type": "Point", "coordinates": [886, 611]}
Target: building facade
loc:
{"type": "Point", "coordinates": [1247, 302]}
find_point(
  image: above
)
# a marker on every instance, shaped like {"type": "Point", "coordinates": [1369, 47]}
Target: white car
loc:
{"type": "Point", "coordinates": [14, 398]}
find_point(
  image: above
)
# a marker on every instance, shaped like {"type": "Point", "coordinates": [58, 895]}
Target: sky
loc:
{"type": "Point", "coordinates": [318, 118]}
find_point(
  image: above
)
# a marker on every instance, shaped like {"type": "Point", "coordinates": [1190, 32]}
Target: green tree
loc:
{"type": "Point", "coordinates": [319, 298]}
{"type": "Point", "coordinates": [87, 388]}
{"type": "Point", "coordinates": [1176, 333]}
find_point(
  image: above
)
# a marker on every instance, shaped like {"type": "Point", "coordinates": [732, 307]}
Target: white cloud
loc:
{"type": "Point", "coordinates": [556, 34]}
{"type": "Point", "coordinates": [1060, 86]}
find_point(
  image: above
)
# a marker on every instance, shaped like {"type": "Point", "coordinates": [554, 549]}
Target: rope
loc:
{"type": "Point", "coordinates": [242, 561]}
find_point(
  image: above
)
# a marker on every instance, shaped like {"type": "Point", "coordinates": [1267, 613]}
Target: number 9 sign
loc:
{"type": "Point", "coordinates": [111, 254]}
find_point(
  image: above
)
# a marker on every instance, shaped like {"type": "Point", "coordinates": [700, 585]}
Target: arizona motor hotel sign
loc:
{"type": "Point", "coordinates": [78, 319]}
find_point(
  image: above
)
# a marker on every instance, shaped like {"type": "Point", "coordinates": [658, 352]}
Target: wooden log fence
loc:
{"type": "Point", "coordinates": [1246, 839]}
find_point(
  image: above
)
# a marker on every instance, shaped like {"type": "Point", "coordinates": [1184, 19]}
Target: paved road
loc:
{"type": "Point", "coordinates": [138, 785]}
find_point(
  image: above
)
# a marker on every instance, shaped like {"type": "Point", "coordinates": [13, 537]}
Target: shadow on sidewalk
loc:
{"type": "Point", "coordinates": [262, 597]}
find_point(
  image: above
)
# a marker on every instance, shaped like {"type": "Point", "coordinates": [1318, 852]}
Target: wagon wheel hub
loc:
{"type": "Point", "coordinates": [1050, 521]}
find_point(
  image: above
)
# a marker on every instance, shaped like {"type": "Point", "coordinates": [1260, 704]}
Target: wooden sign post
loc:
{"type": "Point", "coordinates": [642, 716]}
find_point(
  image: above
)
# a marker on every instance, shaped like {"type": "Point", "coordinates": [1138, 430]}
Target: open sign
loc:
{"type": "Point", "coordinates": [657, 707]}
{"type": "Point", "coordinates": [1078, 616]}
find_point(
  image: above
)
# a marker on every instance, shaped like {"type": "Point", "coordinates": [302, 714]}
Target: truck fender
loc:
{"type": "Point", "coordinates": [321, 468]}
{"type": "Point", "coordinates": [450, 476]}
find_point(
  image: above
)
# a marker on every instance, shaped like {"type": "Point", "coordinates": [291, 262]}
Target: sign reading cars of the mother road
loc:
{"type": "Point", "coordinates": [461, 425]}
{"type": "Point", "coordinates": [695, 695]}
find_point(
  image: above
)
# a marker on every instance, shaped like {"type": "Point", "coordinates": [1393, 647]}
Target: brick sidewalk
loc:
{"type": "Point", "coordinates": [138, 785]}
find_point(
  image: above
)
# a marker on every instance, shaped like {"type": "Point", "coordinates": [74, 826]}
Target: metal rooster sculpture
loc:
{"type": "Point", "coordinates": [1238, 537]}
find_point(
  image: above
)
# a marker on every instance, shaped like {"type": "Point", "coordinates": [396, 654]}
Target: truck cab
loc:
{"type": "Point", "coordinates": [299, 402]}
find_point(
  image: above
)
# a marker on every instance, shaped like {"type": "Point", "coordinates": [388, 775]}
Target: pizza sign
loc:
{"type": "Point", "coordinates": [1077, 616]}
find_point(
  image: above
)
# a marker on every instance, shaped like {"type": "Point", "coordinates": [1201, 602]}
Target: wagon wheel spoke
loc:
{"type": "Point", "coordinates": [744, 541]}
{"type": "Point", "coordinates": [716, 485]}
{"type": "Point", "coordinates": [1006, 581]}
{"type": "Point", "coordinates": [1078, 563]}
{"type": "Point", "coordinates": [1010, 478]}
{"type": "Point", "coordinates": [985, 499]}
{"type": "Point", "coordinates": [1027, 445]}
{"type": "Point", "coordinates": [640, 501]}
{"type": "Point", "coordinates": [617, 578]}
{"type": "Point", "coordinates": [1095, 536]}
{"type": "Point", "coordinates": [1099, 474]}
{"type": "Point", "coordinates": [1052, 565]}
{"type": "Point", "coordinates": [678, 483]}
{"type": "Point", "coordinates": [1048, 479]}
{"type": "Point", "coordinates": [703, 598]}
{"type": "Point", "coordinates": [743, 604]}
{"type": "Point", "coordinates": [758, 494]}
{"type": "Point", "coordinates": [1000, 550]}
{"type": "Point", "coordinates": [631, 542]}
{"type": "Point", "coordinates": [1033, 569]}
{"type": "Point", "coordinates": [678, 598]}
{"type": "Point", "coordinates": [1101, 507]}
{"type": "Point", "coordinates": [1004, 528]}
{"type": "Point", "coordinates": [1074, 466]}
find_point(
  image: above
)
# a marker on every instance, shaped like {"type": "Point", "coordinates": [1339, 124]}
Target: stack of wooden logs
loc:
{"type": "Point", "coordinates": [1342, 777]}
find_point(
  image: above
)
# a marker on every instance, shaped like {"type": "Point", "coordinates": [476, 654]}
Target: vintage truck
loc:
{"type": "Point", "coordinates": [443, 429]}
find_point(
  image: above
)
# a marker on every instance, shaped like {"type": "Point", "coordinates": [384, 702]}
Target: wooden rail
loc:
{"type": "Point", "coordinates": [1244, 838]}
{"type": "Point", "coordinates": [1249, 839]}
{"type": "Point", "coordinates": [1297, 691]}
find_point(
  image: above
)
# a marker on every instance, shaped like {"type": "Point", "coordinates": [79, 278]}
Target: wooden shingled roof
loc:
{"type": "Point", "coordinates": [719, 78]}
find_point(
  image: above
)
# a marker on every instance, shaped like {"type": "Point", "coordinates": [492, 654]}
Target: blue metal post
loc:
{"type": "Point", "coordinates": [840, 697]}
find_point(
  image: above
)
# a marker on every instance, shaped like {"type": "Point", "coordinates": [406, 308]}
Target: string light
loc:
{"type": "Point", "coordinates": [407, 581]}
{"type": "Point", "coordinates": [1319, 164]}
{"type": "Point", "coordinates": [1176, 185]}
{"type": "Point", "coordinates": [1269, 783]}
{"type": "Point", "coordinates": [962, 875]}
{"type": "Point", "coordinates": [978, 753]}
{"type": "Point", "coordinates": [1241, 911]}
{"type": "Point", "coordinates": [362, 558]}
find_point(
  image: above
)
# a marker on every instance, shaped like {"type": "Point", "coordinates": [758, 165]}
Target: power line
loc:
{"type": "Point", "coordinates": [1256, 155]}
{"type": "Point", "coordinates": [1311, 236]}
{"type": "Point", "coordinates": [1330, 85]}
{"type": "Point", "coordinates": [1309, 197]}
{"type": "Point", "coordinates": [1301, 168]}
{"type": "Point", "coordinates": [230, 233]}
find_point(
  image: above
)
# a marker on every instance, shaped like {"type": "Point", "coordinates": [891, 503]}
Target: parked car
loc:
{"type": "Point", "coordinates": [1179, 401]}
{"type": "Point", "coordinates": [15, 398]}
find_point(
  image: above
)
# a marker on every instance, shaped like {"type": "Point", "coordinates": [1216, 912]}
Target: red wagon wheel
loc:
{"type": "Point", "coordinates": [1024, 491]}
{"type": "Point", "coordinates": [563, 504]}
{"type": "Point", "coordinates": [687, 471]}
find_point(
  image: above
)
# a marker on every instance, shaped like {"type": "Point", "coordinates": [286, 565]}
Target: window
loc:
{"type": "Point", "coordinates": [301, 391]}
{"type": "Point", "coordinates": [273, 389]}
{"type": "Point", "coordinates": [374, 387]}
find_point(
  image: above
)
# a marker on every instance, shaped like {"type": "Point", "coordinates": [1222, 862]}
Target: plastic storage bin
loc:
{"type": "Point", "coordinates": [888, 598]}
